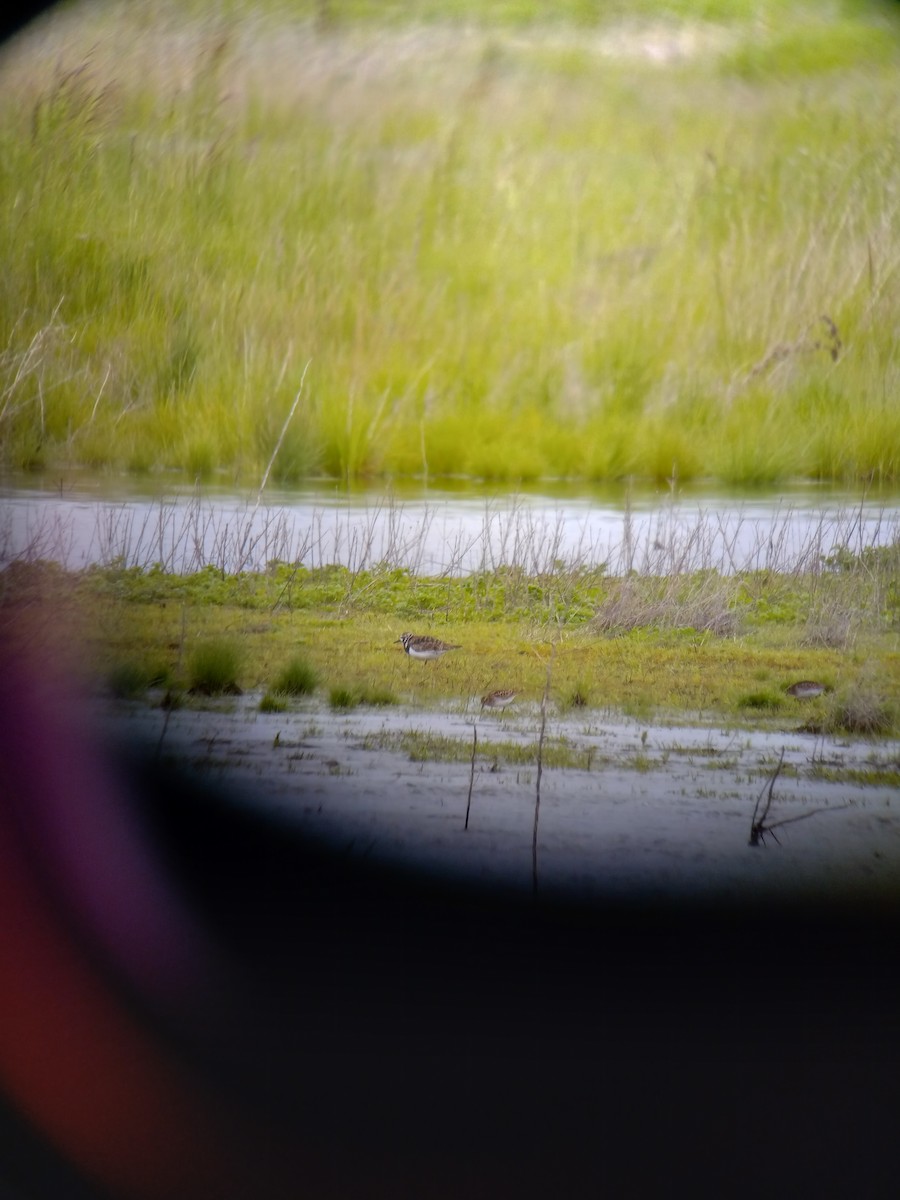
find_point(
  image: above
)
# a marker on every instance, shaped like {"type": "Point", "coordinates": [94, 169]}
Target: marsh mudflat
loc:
{"type": "Point", "coordinates": [628, 810]}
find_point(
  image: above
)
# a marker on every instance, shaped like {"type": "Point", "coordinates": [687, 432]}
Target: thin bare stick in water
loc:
{"type": "Point", "coordinates": [471, 773]}
{"type": "Point", "coordinates": [758, 827]}
{"type": "Point", "coordinates": [284, 430]}
{"type": "Point", "coordinates": [540, 768]}
{"type": "Point", "coordinates": [168, 704]}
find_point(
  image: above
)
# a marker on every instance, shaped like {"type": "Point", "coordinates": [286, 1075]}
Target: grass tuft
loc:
{"type": "Point", "coordinates": [577, 696]}
{"type": "Point", "coordinates": [762, 700]}
{"type": "Point", "coordinates": [376, 696]}
{"type": "Point", "coordinates": [296, 678]}
{"type": "Point", "coordinates": [702, 602]}
{"type": "Point", "coordinates": [862, 710]}
{"type": "Point", "coordinates": [127, 681]}
{"type": "Point", "coordinates": [343, 698]}
{"type": "Point", "coordinates": [213, 668]}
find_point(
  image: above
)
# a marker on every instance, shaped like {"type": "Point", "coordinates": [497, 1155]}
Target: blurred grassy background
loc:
{"type": "Point", "coordinates": [513, 240]}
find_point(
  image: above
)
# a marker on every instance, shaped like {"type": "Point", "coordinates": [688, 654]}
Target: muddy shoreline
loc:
{"type": "Point", "coordinates": [654, 812]}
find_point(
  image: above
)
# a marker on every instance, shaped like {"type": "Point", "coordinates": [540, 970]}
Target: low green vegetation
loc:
{"type": "Point", "coordinates": [376, 696]}
{"type": "Point", "coordinates": [766, 700]}
{"type": "Point", "coordinates": [875, 774]}
{"type": "Point", "coordinates": [342, 697]}
{"type": "Point", "coordinates": [130, 680]}
{"type": "Point", "coordinates": [213, 667]}
{"type": "Point", "coordinates": [421, 746]}
{"type": "Point", "coordinates": [862, 709]}
{"type": "Point", "coordinates": [209, 634]}
{"type": "Point", "coordinates": [580, 239]}
{"type": "Point", "coordinates": [296, 678]}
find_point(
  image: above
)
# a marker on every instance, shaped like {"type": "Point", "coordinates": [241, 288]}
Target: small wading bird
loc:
{"type": "Point", "coordinates": [419, 646]}
{"type": "Point", "coordinates": [498, 699]}
{"type": "Point", "coordinates": [805, 689]}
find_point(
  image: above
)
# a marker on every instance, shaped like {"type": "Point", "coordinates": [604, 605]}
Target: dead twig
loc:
{"type": "Point", "coordinates": [813, 812]}
{"type": "Point", "coordinates": [540, 768]}
{"type": "Point", "coordinates": [758, 827]}
{"type": "Point", "coordinates": [471, 774]}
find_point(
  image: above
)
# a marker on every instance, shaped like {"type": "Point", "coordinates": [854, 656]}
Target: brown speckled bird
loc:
{"type": "Point", "coordinates": [805, 689]}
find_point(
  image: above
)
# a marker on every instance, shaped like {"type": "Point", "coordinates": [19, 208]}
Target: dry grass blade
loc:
{"type": "Point", "coordinates": [706, 604]}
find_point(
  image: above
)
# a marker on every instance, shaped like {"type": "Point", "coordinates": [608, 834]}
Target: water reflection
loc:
{"type": "Point", "coordinates": [456, 528]}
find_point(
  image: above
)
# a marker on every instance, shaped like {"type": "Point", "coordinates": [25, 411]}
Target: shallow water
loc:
{"type": "Point", "coordinates": [650, 811]}
{"type": "Point", "coordinates": [457, 527]}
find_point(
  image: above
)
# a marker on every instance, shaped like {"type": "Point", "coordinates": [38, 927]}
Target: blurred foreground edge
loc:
{"type": "Point", "coordinates": [195, 1001]}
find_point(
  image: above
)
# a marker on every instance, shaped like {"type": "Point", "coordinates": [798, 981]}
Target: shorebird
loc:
{"type": "Point", "coordinates": [498, 699]}
{"type": "Point", "coordinates": [805, 689]}
{"type": "Point", "coordinates": [418, 646]}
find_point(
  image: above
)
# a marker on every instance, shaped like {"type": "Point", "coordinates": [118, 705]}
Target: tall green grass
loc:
{"type": "Point", "coordinates": [583, 247]}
